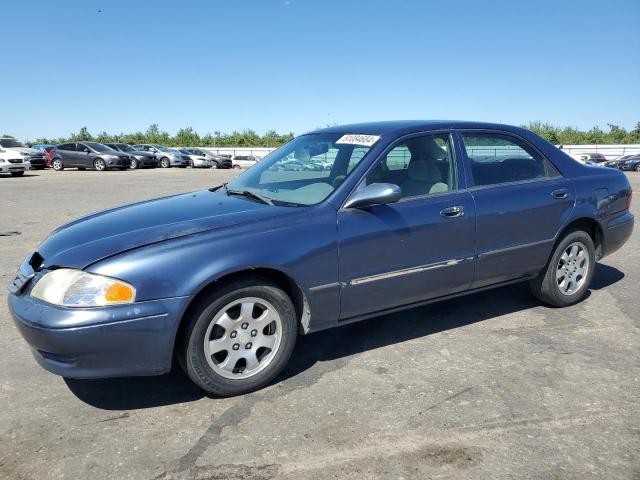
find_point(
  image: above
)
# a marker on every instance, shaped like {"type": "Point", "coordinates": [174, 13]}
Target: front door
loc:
{"type": "Point", "coordinates": [419, 248]}
{"type": "Point", "coordinates": [521, 200]}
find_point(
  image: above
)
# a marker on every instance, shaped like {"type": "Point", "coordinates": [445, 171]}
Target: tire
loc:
{"type": "Point", "coordinates": [236, 167]}
{"type": "Point", "coordinates": [215, 165]}
{"type": "Point", "coordinates": [165, 163]}
{"type": "Point", "coordinates": [211, 370]}
{"type": "Point", "coordinates": [17, 174]}
{"type": "Point", "coordinates": [99, 164]}
{"type": "Point", "coordinates": [57, 164]}
{"type": "Point", "coordinates": [554, 284]}
{"type": "Point", "coordinates": [637, 169]}
{"type": "Point", "coordinates": [134, 164]}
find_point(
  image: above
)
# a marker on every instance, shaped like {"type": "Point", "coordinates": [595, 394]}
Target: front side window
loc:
{"type": "Point", "coordinates": [305, 171]}
{"type": "Point", "coordinates": [497, 158]}
{"type": "Point", "coordinates": [423, 165]}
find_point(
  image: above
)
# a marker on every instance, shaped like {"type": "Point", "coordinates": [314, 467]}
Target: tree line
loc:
{"type": "Point", "coordinates": [614, 134]}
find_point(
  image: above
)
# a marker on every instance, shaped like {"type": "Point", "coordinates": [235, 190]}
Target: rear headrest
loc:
{"type": "Point", "coordinates": [422, 171]}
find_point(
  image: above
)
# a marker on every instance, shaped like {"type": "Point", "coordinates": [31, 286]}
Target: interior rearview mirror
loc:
{"type": "Point", "coordinates": [375, 194]}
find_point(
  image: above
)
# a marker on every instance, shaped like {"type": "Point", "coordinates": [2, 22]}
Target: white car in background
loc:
{"type": "Point", "coordinates": [168, 157]}
{"type": "Point", "coordinates": [244, 161]}
{"type": "Point", "coordinates": [199, 159]}
{"type": "Point", "coordinates": [13, 162]}
{"type": "Point", "coordinates": [35, 157]}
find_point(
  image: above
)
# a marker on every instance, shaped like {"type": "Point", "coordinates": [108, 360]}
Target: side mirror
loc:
{"type": "Point", "coordinates": [86, 150]}
{"type": "Point", "coordinates": [375, 194]}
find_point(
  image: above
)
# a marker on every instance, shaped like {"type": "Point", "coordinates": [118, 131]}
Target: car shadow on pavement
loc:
{"type": "Point", "coordinates": [329, 345]}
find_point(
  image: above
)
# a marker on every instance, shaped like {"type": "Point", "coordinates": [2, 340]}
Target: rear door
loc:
{"type": "Point", "coordinates": [418, 248]}
{"type": "Point", "coordinates": [521, 202]}
{"type": "Point", "coordinates": [67, 152]}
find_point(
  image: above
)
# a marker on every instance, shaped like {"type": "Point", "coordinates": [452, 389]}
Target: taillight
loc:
{"type": "Point", "coordinates": [629, 195]}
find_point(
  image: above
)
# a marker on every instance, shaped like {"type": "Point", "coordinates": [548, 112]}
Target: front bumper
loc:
{"type": "Point", "coordinates": [13, 167]}
{"type": "Point", "coordinates": [179, 162]}
{"type": "Point", "coordinates": [124, 340]}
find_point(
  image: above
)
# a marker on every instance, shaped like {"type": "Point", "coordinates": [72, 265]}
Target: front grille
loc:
{"type": "Point", "coordinates": [15, 160]}
{"type": "Point", "coordinates": [37, 156]}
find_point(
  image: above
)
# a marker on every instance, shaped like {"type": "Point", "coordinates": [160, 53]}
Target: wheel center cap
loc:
{"type": "Point", "coordinates": [243, 338]}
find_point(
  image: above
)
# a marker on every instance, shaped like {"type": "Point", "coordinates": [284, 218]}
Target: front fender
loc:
{"type": "Point", "coordinates": [304, 251]}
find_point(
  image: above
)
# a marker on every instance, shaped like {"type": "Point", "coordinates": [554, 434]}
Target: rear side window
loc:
{"type": "Point", "coordinates": [497, 159]}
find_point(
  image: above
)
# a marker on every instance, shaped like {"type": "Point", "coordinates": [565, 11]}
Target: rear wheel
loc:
{"type": "Point", "coordinates": [134, 164]}
{"type": "Point", "coordinates": [567, 276]}
{"type": "Point", "coordinates": [214, 165]}
{"type": "Point", "coordinates": [99, 164]}
{"type": "Point", "coordinates": [239, 337]}
{"type": "Point", "coordinates": [165, 163]}
{"type": "Point", "coordinates": [637, 169]}
{"type": "Point", "coordinates": [237, 167]}
{"type": "Point", "coordinates": [17, 174]}
{"type": "Point", "coordinates": [57, 164]}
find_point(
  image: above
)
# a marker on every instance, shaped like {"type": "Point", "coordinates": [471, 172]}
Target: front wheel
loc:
{"type": "Point", "coordinates": [567, 276]}
{"type": "Point", "coordinates": [239, 338]}
{"type": "Point", "coordinates": [637, 169]}
{"type": "Point", "coordinates": [134, 164]}
{"type": "Point", "coordinates": [165, 163]}
{"type": "Point", "coordinates": [236, 167]}
{"type": "Point", "coordinates": [99, 164]}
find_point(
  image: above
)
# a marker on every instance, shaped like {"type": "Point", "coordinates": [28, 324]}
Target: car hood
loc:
{"type": "Point", "coordinates": [140, 153]}
{"type": "Point", "coordinates": [100, 235]}
{"type": "Point", "coordinates": [30, 151]}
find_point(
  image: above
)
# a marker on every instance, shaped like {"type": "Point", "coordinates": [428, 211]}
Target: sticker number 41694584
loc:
{"type": "Point", "coordinates": [357, 139]}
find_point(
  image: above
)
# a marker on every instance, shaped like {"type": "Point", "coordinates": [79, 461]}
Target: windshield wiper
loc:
{"type": "Point", "coordinates": [249, 194]}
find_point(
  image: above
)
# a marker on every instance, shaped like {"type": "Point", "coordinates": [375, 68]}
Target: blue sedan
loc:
{"type": "Point", "coordinates": [407, 213]}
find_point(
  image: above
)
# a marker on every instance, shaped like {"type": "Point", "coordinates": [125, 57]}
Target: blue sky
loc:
{"type": "Point", "coordinates": [293, 65]}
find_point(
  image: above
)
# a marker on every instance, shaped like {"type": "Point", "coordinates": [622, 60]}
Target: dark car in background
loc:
{"type": "Point", "coordinates": [630, 163]}
{"type": "Point", "coordinates": [139, 158]}
{"type": "Point", "coordinates": [471, 206]}
{"type": "Point", "coordinates": [84, 155]}
{"type": "Point", "coordinates": [49, 151]}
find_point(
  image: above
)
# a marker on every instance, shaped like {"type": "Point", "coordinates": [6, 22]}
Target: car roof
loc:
{"type": "Point", "coordinates": [402, 127]}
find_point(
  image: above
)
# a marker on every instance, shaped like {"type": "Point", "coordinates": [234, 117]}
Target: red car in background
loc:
{"type": "Point", "coordinates": [49, 151]}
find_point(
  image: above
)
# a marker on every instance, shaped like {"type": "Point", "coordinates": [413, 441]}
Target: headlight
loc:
{"type": "Point", "coordinates": [75, 288]}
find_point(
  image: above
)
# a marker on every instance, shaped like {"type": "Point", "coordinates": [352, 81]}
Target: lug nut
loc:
{"type": "Point", "coordinates": [245, 326]}
{"type": "Point", "coordinates": [234, 334]}
{"type": "Point", "coordinates": [248, 346]}
{"type": "Point", "coordinates": [254, 333]}
{"type": "Point", "coordinates": [236, 346]}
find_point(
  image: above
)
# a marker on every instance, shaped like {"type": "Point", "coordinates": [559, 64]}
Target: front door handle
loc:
{"type": "Point", "coordinates": [560, 194]}
{"type": "Point", "coordinates": [452, 212]}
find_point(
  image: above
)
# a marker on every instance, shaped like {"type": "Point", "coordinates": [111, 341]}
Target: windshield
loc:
{"type": "Point", "coordinates": [98, 147]}
{"type": "Point", "coordinates": [125, 148]}
{"type": "Point", "coordinates": [305, 171]}
{"type": "Point", "coordinates": [163, 149]}
{"type": "Point", "coordinates": [10, 143]}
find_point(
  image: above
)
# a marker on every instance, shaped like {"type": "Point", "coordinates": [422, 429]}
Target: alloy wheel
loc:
{"type": "Point", "coordinates": [100, 165]}
{"type": "Point", "coordinates": [572, 269]}
{"type": "Point", "coordinates": [243, 338]}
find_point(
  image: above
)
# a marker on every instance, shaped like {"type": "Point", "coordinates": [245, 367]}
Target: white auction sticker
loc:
{"type": "Point", "coordinates": [357, 139]}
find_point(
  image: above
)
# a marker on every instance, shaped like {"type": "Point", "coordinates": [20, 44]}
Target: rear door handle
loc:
{"type": "Point", "coordinates": [560, 194]}
{"type": "Point", "coordinates": [452, 212]}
